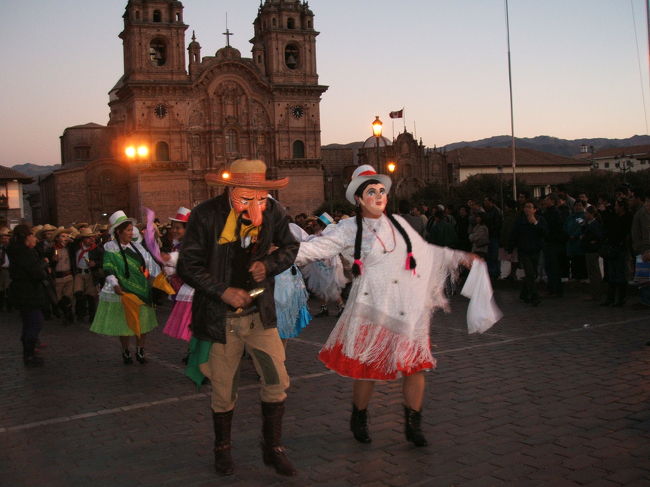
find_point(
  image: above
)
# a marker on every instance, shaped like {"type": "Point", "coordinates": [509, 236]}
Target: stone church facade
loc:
{"type": "Point", "coordinates": [195, 115]}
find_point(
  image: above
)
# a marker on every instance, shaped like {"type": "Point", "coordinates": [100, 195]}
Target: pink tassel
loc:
{"type": "Point", "coordinates": [359, 265]}
{"type": "Point", "coordinates": [409, 260]}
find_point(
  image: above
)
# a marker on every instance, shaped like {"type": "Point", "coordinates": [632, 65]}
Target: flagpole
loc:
{"type": "Point", "coordinates": [512, 116]}
{"type": "Point", "coordinates": [392, 122]}
{"type": "Point", "coordinates": [404, 116]}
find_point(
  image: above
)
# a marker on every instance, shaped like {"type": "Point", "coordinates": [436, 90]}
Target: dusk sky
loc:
{"type": "Point", "coordinates": [575, 67]}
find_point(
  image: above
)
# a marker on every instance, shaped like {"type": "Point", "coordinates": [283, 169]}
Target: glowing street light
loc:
{"type": "Point", "coordinates": [140, 152]}
{"type": "Point", "coordinates": [376, 127]}
{"type": "Point", "coordinates": [391, 166]}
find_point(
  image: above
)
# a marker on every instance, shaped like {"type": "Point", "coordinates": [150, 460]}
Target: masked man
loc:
{"type": "Point", "coordinates": [225, 257]}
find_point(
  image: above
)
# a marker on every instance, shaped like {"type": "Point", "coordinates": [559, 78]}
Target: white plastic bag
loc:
{"type": "Point", "coordinates": [482, 311]}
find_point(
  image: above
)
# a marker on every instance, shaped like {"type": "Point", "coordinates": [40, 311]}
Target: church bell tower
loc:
{"type": "Point", "coordinates": [154, 40]}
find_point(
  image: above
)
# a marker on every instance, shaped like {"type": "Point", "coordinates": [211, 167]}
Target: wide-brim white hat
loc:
{"type": "Point", "coordinates": [116, 219]}
{"type": "Point", "coordinates": [362, 174]}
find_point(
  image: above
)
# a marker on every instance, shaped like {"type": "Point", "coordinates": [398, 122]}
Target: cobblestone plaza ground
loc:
{"type": "Point", "coordinates": [553, 395]}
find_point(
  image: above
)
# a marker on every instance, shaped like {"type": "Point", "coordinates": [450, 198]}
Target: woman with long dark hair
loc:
{"type": "Point", "coordinates": [128, 267]}
{"type": "Point", "coordinates": [383, 332]}
{"type": "Point", "coordinates": [27, 289]}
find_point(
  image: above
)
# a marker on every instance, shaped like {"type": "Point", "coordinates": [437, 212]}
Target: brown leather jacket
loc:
{"type": "Point", "coordinates": [206, 266]}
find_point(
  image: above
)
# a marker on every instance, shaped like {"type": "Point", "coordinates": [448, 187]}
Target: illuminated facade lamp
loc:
{"type": "Point", "coordinates": [376, 127]}
{"type": "Point", "coordinates": [391, 166]}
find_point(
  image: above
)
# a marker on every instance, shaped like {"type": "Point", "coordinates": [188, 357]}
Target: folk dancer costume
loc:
{"type": "Point", "coordinates": [63, 267]}
{"type": "Point", "coordinates": [178, 323]}
{"type": "Point", "coordinates": [129, 266]}
{"type": "Point", "coordinates": [291, 296]}
{"type": "Point", "coordinates": [225, 256]}
{"type": "Point", "coordinates": [383, 332]}
{"type": "Point", "coordinates": [325, 278]}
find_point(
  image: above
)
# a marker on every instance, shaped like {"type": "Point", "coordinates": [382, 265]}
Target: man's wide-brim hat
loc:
{"type": "Point", "coordinates": [362, 174]}
{"type": "Point", "coordinates": [246, 173]}
{"type": "Point", "coordinates": [182, 215]}
{"type": "Point", "coordinates": [86, 232]}
{"type": "Point", "coordinates": [47, 228]}
{"type": "Point", "coordinates": [116, 219]}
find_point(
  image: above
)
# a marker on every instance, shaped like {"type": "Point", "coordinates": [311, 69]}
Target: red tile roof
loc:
{"type": "Point", "coordinates": [6, 173]}
{"type": "Point", "coordinates": [502, 156]}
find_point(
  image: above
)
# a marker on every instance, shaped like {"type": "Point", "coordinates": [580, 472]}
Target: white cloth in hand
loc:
{"type": "Point", "coordinates": [482, 311]}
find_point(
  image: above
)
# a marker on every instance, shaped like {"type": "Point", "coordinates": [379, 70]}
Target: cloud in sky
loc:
{"type": "Point", "coordinates": [575, 68]}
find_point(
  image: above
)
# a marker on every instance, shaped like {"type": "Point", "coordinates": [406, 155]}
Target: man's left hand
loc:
{"type": "Point", "coordinates": [258, 271]}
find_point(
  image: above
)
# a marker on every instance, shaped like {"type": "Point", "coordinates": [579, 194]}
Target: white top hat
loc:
{"type": "Point", "coordinates": [362, 174]}
{"type": "Point", "coordinates": [116, 219]}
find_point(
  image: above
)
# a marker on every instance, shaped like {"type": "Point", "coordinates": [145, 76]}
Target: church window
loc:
{"type": "Point", "coordinates": [309, 24]}
{"type": "Point", "coordinates": [157, 16]}
{"type": "Point", "coordinates": [157, 52]}
{"type": "Point", "coordinates": [82, 153]}
{"type": "Point", "coordinates": [607, 165]}
{"type": "Point", "coordinates": [162, 151]}
{"type": "Point", "coordinates": [291, 56]}
{"type": "Point", "coordinates": [275, 23]}
{"type": "Point", "coordinates": [260, 139]}
{"type": "Point", "coordinates": [137, 15]}
{"type": "Point", "coordinates": [231, 141]}
{"type": "Point", "coordinates": [291, 23]}
{"type": "Point", "coordinates": [298, 149]}
{"type": "Point", "coordinates": [178, 17]}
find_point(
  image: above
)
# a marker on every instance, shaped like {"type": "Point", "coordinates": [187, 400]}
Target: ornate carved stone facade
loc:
{"type": "Point", "coordinates": [196, 120]}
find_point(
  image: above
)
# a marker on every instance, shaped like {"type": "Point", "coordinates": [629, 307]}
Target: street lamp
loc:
{"type": "Point", "coordinates": [392, 167]}
{"type": "Point", "coordinates": [139, 152]}
{"type": "Point", "coordinates": [624, 166]}
{"type": "Point", "coordinates": [376, 132]}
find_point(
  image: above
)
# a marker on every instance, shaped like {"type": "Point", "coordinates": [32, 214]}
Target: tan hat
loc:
{"type": "Point", "coordinates": [62, 230]}
{"type": "Point", "coordinates": [47, 228]}
{"type": "Point", "coordinates": [85, 232]}
{"type": "Point", "coordinates": [79, 226]}
{"type": "Point", "coordinates": [37, 229]}
{"type": "Point", "coordinates": [246, 173]}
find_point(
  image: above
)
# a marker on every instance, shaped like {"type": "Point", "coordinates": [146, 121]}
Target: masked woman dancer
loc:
{"type": "Point", "coordinates": [383, 332]}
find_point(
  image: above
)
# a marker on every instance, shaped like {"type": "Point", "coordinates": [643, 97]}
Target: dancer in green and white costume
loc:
{"type": "Point", "coordinates": [128, 267]}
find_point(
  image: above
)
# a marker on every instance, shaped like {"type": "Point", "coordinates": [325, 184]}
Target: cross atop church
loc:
{"type": "Point", "coordinates": [228, 33]}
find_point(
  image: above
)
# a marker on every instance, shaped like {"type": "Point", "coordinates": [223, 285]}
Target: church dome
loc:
{"type": "Point", "coordinates": [371, 142]}
{"type": "Point", "coordinates": [228, 52]}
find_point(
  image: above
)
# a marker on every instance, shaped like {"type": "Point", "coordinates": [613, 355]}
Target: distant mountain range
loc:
{"type": "Point", "coordinates": [34, 170]}
{"type": "Point", "coordinates": [544, 143]}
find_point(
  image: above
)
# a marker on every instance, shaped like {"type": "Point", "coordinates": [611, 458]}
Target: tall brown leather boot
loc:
{"type": "Point", "coordinates": [274, 453]}
{"type": "Point", "coordinates": [222, 458]}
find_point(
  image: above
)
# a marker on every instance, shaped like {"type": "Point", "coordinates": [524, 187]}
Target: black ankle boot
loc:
{"type": "Point", "coordinates": [222, 458]}
{"type": "Point", "coordinates": [273, 452]}
{"type": "Point", "coordinates": [139, 355]}
{"type": "Point", "coordinates": [126, 357]}
{"type": "Point", "coordinates": [323, 311]}
{"type": "Point", "coordinates": [359, 425]}
{"type": "Point", "coordinates": [412, 428]}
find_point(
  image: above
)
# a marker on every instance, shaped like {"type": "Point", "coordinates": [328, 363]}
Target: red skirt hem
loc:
{"type": "Point", "coordinates": [335, 360]}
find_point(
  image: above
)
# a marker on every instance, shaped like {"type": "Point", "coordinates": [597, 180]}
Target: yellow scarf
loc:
{"type": "Point", "coordinates": [228, 232]}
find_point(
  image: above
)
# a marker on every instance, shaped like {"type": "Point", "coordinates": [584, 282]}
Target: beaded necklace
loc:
{"type": "Point", "coordinates": [383, 246]}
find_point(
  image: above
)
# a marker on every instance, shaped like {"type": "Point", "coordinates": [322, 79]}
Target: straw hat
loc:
{"type": "Point", "coordinates": [182, 215]}
{"type": "Point", "coordinates": [47, 228]}
{"type": "Point", "coordinates": [116, 219]}
{"type": "Point", "coordinates": [63, 230]}
{"type": "Point", "coordinates": [86, 232]}
{"type": "Point", "coordinates": [246, 173]}
{"type": "Point", "coordinates": [362, 174]}
{"type": "Point", "coordinates": [37, 229]}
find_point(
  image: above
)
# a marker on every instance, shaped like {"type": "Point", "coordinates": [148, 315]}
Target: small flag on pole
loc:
{"type": "Point", "coordinates": [397, 114]}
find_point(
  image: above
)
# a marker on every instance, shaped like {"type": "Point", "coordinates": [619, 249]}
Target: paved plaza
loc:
{"type": "Point", "coordinates": [553, 395]}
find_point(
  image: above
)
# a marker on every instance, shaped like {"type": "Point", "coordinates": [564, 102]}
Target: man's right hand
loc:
{"type": "Point", "coordinates": [236, 297]}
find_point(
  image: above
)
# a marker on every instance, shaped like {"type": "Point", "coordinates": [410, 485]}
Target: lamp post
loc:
{"type": "Point", "coordinates": [624, 165]}
{"type": "Point", "coordinates": [376, 131]}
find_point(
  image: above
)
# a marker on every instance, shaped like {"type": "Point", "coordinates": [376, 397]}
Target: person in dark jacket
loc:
{"type": "Point", "coordinates": [590, 241]}
{"type": "Point", "coordinates": [225, 258]}
{"type": "Point", "coordinates": [615, 252]}
{"type": "Point", "coordinates": [527, 237]}
{"type": "Point", "coordinates": [27, 291]}
{"type": "Point", "coordinates": [554, 245]}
